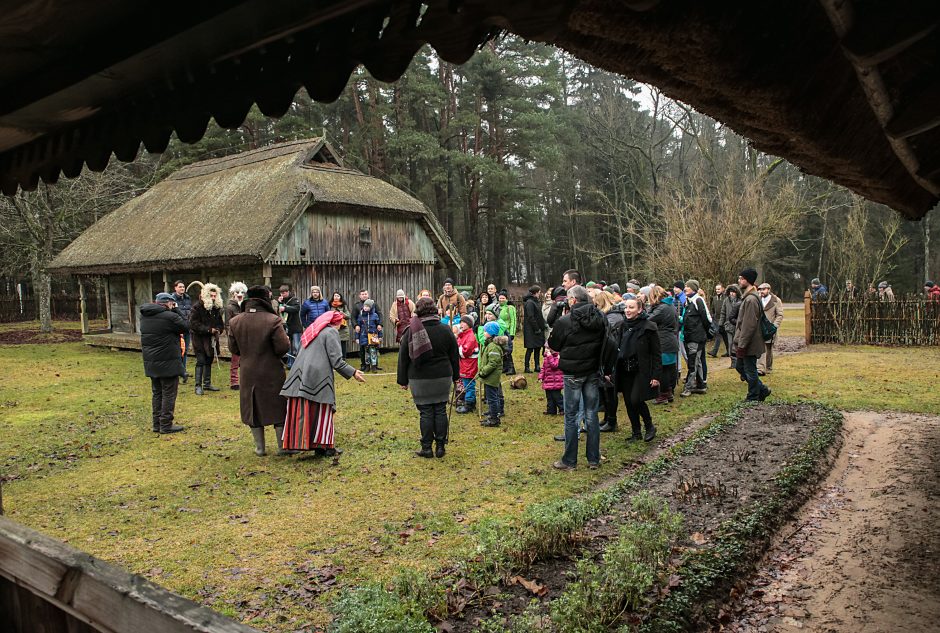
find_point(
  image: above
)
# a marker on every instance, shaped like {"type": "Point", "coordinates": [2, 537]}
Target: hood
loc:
{"type": "Point", "coordinates": [668, 300]}
{"type": "Point", "coordinates": [530, 298]}
{"type": "Point", "coordinates": [152, 309]}
{"type": "Point", "coordinates": [586, 316]}
{"type": "Point", "coordinates": [502, 340]}
{"type": "Point", "coordinates": [261, 305]}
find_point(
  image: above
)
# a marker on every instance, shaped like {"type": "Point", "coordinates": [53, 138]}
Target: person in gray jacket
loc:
{"type": "Point", "coordinates": [311, 398]}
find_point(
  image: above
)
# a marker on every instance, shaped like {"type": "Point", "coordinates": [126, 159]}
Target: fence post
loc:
{"type": "Point", "coordinates": [808, 317]}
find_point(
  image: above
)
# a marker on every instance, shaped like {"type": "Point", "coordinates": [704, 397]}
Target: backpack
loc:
{"type": "Point", "coordinates": [767, 329]}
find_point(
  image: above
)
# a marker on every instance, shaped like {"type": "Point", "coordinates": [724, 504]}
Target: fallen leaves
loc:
{"type": "Point", "coordinates": [532, 586]}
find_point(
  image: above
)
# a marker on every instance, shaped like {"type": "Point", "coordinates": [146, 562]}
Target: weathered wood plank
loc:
{"type": "Point", "coordinates": [65, 581]}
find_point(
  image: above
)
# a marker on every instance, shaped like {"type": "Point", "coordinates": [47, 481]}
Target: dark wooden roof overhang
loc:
{"type": "Point", "coordinates": [845, 89]}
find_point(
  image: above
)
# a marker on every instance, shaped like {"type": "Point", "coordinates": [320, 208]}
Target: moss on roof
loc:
{"type": "Point", "coordinates": [234, 209]}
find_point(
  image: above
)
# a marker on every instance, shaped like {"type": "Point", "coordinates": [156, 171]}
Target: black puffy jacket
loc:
{"type": "Point", "coordinates": [578, 338]}
{"type": "Point", "coordinates": [160, 331]}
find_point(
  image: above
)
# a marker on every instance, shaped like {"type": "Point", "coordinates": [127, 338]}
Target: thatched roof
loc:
{"type": "Point", "coordinates": [845, 89]}
{"type": "Point", "coordinates": [233, 210]}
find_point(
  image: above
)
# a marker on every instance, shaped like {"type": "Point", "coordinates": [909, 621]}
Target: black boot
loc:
{"type": "Point", "coordinates": [440, 450]}
{"type": "Point", "coordinates": [608, 427]}
{"type": "Point", "coordinates": [207, 379]}
{"type": "Point", "coordinates": [198, 380]}
{"type": "Point", "coordinates": [169, 427]}
{"type": "Point", "coordinates": [425, 452]}
{"type": "Point", "coordinates": [635, 428]}
{"type": "Point", "coordinates": [650, 431]}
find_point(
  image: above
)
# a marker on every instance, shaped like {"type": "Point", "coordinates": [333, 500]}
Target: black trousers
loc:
{"type": "Point", "coordinates": [632, 397]}
{"type": "Point", "coordinates": [529, 353]}
{"type": "Point", "coordinates": [554, 401]}
{"type": "Point", "coordinates": [721, 337]}
{"type": "Point", "coordinates": [433, 421]}
{"type": "Point", "coordinates": [163, 402]}
{"type": "Point", "coordinates": [609, 398]}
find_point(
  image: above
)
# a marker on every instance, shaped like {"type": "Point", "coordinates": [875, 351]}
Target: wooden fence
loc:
{"type": "Point", "coordinates": [909, 320]}
{"type": "Point", "coordinates": [48, 586]}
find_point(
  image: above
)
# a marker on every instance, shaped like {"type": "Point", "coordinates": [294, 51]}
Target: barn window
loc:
{"type": "Point", "coordinates": [365, 235]}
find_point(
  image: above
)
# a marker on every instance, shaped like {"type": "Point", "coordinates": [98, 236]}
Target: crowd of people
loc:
{"type": "Point", "coordinates": [880, 292]}
{"type": "Point", "coordinates": [589, 343]}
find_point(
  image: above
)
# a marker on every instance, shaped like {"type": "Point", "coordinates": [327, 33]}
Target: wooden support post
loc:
{"type": "Point", "coordinates": [130, 301]}
{"type": "Point", "coordinates": [83, 305]}
{"type": "Point", "coordinates": [266, 273]}
{"type": "Point", "coordinates": [808, 316]}
{"type": "Point", "coordinates": [166, 282]}
{"type": "Point", "coordinates": [107, 303]}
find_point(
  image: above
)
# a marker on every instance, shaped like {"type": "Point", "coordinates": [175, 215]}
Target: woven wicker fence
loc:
{"type": "Point", "coordinates": [911, 320]}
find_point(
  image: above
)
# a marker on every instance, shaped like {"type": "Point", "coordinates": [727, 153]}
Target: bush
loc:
{"type": "Point", "coordinates": [371, 608]}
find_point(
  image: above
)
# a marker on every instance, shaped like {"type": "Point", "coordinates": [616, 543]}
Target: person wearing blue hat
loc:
{"type": "Point", "coordinates": [161, 329]}
{"type": "Point", "coordinates": [490, 371]}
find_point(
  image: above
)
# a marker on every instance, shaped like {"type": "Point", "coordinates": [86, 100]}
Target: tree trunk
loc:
{"type": "Point", "coordinates": [926, 222]}
{"type": "Point", "coordinates": [42, 285]}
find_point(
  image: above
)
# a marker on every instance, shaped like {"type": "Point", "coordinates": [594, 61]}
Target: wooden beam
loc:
{"type": "Point", "coordinates": [83, 305]}
{"type": "Point", "coordinates": [166, 281]}
{"type": "Point", "coordinates": [808, 317]}
{"type": "Point", "coordinates": [107, 302]}
{"type": "Point", "coordinates": [916, 113]}
{"type": "Point", "coordinates": [266, 273]}
{"type": "Point", "coordinates": [130, 302]}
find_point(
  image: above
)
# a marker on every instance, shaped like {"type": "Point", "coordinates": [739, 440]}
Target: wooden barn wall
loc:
{"type": "Point", "coordinates": [143, 294]}
{"type": "Point", "coordinates": [117, 299]}
{"type": "Point", "coordinates": [382, 281]}
{"type": "Point", "coordinates": [331, 234]}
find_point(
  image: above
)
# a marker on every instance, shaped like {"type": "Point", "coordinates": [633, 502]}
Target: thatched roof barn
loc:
{"type": "Point", "coordinates": [288, 213]}
{"type": "Point", "coordinates": [845, 89]}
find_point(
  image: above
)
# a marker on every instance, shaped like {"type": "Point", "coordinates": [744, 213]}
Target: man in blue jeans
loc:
{"type": "Point", "coordinates": [579, 338]}
{"type": "Point", "coordinates": [748, 339]}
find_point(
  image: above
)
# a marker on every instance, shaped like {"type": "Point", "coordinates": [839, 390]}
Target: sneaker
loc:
{"type": "Point", "coordinates": [593, 465]}
{"type": "Point", "coordinates": [490, 422]}
{"type": "Point", "coordinates": [607, 427]}
{"type": "Point", "coordinates": [559, 438]}
{"type": "Point", "coordinates": [661, 399]}
{"type": "Point", "coordinates": [685, 393]}
{"type": "Point", "coordinates": [560, 465]}
{"type": "Point", "coordinates": [700, 391]}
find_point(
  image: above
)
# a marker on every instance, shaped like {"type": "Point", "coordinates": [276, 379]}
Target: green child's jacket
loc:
{"type": "Point", "coordinates": [507, 319]}
{"type": "Point", "coordinates": [490, 363]}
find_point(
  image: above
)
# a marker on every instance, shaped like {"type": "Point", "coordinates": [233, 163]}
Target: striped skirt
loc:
{"type": "Point", "coordinates": [308, 425]}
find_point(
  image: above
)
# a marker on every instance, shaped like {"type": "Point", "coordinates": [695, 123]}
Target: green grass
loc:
{"type": "Point", "coordinates": [200, 514]}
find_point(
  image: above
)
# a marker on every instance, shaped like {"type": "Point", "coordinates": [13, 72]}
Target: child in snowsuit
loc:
{"type": "Point", "coordinates": [490, 371]}
{"type": "Point", "coordinates": [553, 381]}
{"type": "Point", "coordinates": [469, 351]}
{"type": "Point", "coordinates": [368, 336]}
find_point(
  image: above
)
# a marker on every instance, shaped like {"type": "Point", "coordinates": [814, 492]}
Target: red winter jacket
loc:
{"type": "Point", "coordinates": [550, 375]}
{"type": "Point", "coordinates": [468, 348]}
{"type": "Point", "coordinates": [934, 293]}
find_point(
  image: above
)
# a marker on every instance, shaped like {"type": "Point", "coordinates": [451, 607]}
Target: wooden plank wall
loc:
{"type": "Point", "coordinates": [117, 302]}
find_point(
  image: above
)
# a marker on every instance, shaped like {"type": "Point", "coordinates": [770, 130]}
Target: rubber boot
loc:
{"type": "Point", "coordinates": [258, 435]}
{"type": "Point", "coordinates": [199, 380]}
{"type": "Point", "coordinates": [279, 434]}
{"type": "Point", "coordinates": [207, 379]}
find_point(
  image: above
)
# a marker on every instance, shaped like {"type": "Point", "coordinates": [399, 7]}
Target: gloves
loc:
{"type": "Point", "coordinates": [739, 353]}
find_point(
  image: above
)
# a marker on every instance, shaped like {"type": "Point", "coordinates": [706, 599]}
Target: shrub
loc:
{"type": "Point", "coordinates": [371, 608]}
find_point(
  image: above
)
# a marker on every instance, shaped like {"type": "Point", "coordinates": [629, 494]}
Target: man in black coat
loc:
{"type": "Point", "coordinates": [184, 304]}
{"type": "Point", "coordinates": [161, 326]}
{"type": "Point", "coordinates": [579, 339]}
{"type": "Point", "coordinates": [533, 327]}
{"type": "Point", "coordinates": [696, 322]}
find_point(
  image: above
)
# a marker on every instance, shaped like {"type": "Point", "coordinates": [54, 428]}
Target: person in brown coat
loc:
{"type": "Point", "coordinates": [773, 310]}
{"type": "Point", "coordinates": [257, 335]}
{"type": "Point", "coordinates": [748, 341]}
{"type": "Point", "coordinates": [400, 313]}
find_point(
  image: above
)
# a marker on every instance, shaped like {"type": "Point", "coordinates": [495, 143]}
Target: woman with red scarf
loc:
{"type": "Point", "coordinates": [311, 399]}
{"type": "Point", "coordinates": [400, 313]}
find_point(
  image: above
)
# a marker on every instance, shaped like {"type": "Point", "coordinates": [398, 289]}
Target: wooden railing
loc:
{"type": "Point", "coordinates": [48, 586]}
{"type": "Point", "coordinates": [866, 320]}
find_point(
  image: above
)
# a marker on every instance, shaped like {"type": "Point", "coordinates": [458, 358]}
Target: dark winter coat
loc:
{"type": "Point", "coordinates": [201, 323]}
{"type": "Point", "coordinates": [664, 316]}
{"type": "Point", "coordinates": [368, 322]}
{"type": "Point", "coordinates": [430, 376]}
{"type": "Point", "coordinates": [311, 309]}
{"type": "Point", "coordinates": [579, 337]}
{"type": "Point", "coordinates": [533, 323]}
{"type": "Point", "coordinates": [232, 309]}
{"type": "Point", "coordinates": [257, 335]}
{"type": "Point", "coordinates": [648, 361]}
{"type": "Point", "coordinates": [357, 309]}
{"type": "Point", "coordinates": [747, 333]}
{"type": "Point", "coordinates": [292, 310]}
{"type": "Point", "coordinates": [184, 304]}
{"type": "Point", "coordinates": [729, 313]}
{"type": "Point", "coordinates": [160, 331]}
{"type": "Point", "coordinates": [695, 321]}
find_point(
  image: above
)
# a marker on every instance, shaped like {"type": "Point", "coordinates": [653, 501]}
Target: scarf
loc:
{"type": "Point", "coordinates": [331, 317]}
{"type": "Point", "coordinates": [404, 312]}
{"type": "Point", "coordinates": [420, 342]}
{"type": "Point", "coordinates": [631, 332]}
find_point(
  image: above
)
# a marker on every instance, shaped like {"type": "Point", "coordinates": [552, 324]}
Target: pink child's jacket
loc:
{"type": "Point", "coordinates": [550, 375]}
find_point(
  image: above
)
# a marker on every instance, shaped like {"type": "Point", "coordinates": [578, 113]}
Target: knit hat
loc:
{"type": "Point", "coordinates": [369, 303]}
{"type": "Point", "coordinates": [929, 284]}
{"type": "Point", "coordinates": [164, 297]}
{"type": "Point", "coordinates": [882, 284]}
{"type": "Point", "coordinates": [614, 288]}
{"type": "Point", "coordinates": [590, 284]}
{"type": "Point", "coordinates": [467, 319]}
{"type": "Point", "coordinates": [681, 284]}
{"type": "Point", "coordinates": [814, 282]}
{"type": "Point", "coordinates": [691, 283]}
{"type": "Point", "coordinates": [558, 293]}
{"type": "Point", "coordinates": [751, 275]}
{"type": "Point", "coordinates": [259, 292]}
{"type": "Point", "coordinates": [632, 287]}
{"type": "Point", "coordinates": [502, 293]}
{"type": "Point", "coordinates": [400, 294]}
{"type": "Point", "coordinates": [449, 281]}
{"type": "Point", "coordinates": [491, 328]}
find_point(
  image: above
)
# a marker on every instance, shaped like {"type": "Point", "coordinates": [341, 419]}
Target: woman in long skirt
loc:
{"type": "Point", "coordinates": [311, 399]}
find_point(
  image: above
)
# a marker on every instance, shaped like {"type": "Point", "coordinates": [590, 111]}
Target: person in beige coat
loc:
{"type": "Point", "coordinates": [400, 313]}
{"type": "Point", "coordinates": [773, 310]}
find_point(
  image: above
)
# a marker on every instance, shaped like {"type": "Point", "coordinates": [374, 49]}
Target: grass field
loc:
{"type": "Point", "coordinates": [199, 513]}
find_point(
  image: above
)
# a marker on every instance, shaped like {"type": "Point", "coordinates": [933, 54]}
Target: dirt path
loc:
{"type": "Point", "coordinates": [864, 553]}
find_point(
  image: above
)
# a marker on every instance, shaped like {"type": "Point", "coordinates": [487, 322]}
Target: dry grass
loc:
{"type": "Point", "coordinates": [200, 514]}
